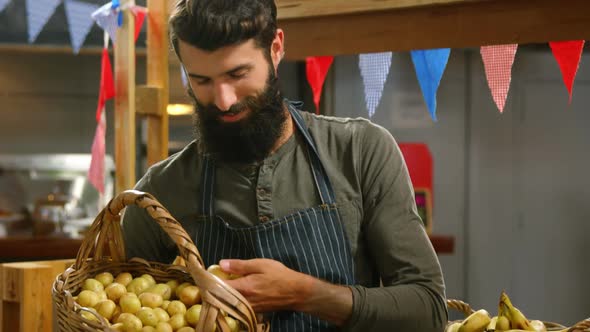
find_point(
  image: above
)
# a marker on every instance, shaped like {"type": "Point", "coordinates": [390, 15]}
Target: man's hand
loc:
{"type": "Point", "coordinates": [268, 284]}
{"type": "Point", "coordinates": [271, 286]}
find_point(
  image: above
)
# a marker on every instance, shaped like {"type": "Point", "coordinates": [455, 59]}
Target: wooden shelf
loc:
{"type": "Point", "coordinates": [27, 247]}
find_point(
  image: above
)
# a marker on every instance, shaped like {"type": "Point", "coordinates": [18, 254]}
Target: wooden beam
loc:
{"type": "Point", "coordinates": [125, 103]}
{"type": "Point", "coordinates": [157, 76]}
{"type": "Point", "coordinates": [288, 9]}
{"type": "Point", "coordinates": [148, 101]}
{"type": "Point", "coordinates": [456, 24]}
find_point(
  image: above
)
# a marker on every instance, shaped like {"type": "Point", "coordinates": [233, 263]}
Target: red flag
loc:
{"type": "Point", "coordinates": [96, 170]}
{"type": "Point", "coordinates": [107, 85]}
{"type": "Point", "coordinates": [139, 18]}
{"type": "Point", "coordinates": [317, 69]}
{"type": "Point", "coordinates": [568, 54]}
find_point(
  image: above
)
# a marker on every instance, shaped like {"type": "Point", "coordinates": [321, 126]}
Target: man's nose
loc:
{"type": "Point", "coordinates": [225, 96]}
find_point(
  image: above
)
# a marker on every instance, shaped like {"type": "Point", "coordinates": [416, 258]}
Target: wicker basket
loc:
{"type": "Point", "coordinates": [466, 309]}
{"type": "Point", "coordinates": [105, 242]}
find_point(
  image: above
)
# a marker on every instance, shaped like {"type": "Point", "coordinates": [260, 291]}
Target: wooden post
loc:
{"type": "Point", "coordinates": [157, 76]}
{"type": "Point", "coordinates": [125, 102]}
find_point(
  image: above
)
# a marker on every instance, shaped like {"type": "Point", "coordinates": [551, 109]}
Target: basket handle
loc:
{"type": "Point", "coordinates": [105, 233]}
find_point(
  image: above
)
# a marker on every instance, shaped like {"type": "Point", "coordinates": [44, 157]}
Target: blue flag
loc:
{"type": "Point", "coordinates": [430, 66]}
{"type": "Point", "coordinates": [80, 21]}
{"type": "Point", "coordinates": [38, 13]}
{"type": "Point", "coordinates": [106, 18]}
{"type": "Point", "coordinates": [3, 4]}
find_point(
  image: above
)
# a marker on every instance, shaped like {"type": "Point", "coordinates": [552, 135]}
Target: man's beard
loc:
{"type": "Point", "coordinates": [250, 139]}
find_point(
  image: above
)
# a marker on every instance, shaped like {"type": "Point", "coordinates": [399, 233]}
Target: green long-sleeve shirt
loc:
{"type": "Point", "coordinates": [373, 190]}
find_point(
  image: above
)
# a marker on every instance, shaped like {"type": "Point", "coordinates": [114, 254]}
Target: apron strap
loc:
{"type": "Point", "coordinates": [208, 181]}
{"type": "Point", "coordinates": [320, 176]}
{"type": "Point", "coordinates": [323, 184]}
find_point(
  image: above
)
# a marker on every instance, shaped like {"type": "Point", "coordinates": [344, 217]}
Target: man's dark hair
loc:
{"type": "Point", "coordinates": [213, 24]}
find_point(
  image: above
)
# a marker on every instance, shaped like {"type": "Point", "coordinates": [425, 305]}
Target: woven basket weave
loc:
{"type": "Point", "coordinates": [105, 242]}
{"type": "Point", "coordinates": [466, 309]}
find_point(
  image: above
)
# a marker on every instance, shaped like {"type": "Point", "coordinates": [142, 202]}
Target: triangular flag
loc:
{"type": "Point", "coordinates": [497, 61]}
{"type": "Point", "coordinates": [38, 13]}
{"type": "Point", "coordinates": [3, 4]}
{"type": "Point", "coordinates": [107, 85]}
{"type": "Point", "coordinates": [317, 68]}
{"type": "Point", "coordinates": [139, 13]}
{"type": "Point", "coordinates": [97, 162]}
{"type": "Point", "coordinates": [374, 70]}
{"type": "Point", "coordinates": [106, 18]}
{"type": "Point", "coordinates": [430, 66]}
{"type": "Point", "coordinates": [568, 54]}
{"type": "Point", "coordinates": [79, 21]}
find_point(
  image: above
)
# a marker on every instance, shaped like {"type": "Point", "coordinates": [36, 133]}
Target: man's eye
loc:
{"type": "Point", "coordinates": [237, 75]}
{"type": "Point", "coordinates": [203, 81]}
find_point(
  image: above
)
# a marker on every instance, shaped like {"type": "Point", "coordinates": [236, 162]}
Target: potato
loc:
{"type": "Point", "coordinates": [163, 327]}
{"type": "Point", "coordinates": [147, 316]}
{"type": "Point", "coordinates": [124, 278]}
{"type": "Point", "coordinates": [88, 298]}
{"type": "Point", "coordinates": [161, 314]}
{"type": "Point", "coordinates": [106, 308]}
{"type": "Point", "coordinates": [190, 295]}
{"type": "Point", "coordinates": [114, 291]}
{"type": "Point", "coordinates": [177, 321]}
{"type": "Point", "coordinates": [105, 278]}
{"type": "Point", "coordinates": [172, 284]}
{"type": "Point", "coordinates": [150, 300]}
{"type": "Point", "coordinates": [138, 285]}
{"type": "Point", "coordinates": [176, 307]}
{"type": "Point", "coordinates": [162, 289]}
{"type": "Point", "coordinates": [132, 324]}
{"type": "Point", "coordinates": [92, 285]}
{"type": "Point", "coordinates": [193, 314]}
{"type": "Point", "coordinates": [129, 303]}
{"type": "Point", "coordinates": [180, 287]}
{"type": "Point", "coordinates": [149, 278]}
{"type": "Point", "coordinates": [186, 329]}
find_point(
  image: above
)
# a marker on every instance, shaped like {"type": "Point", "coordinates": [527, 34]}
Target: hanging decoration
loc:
{"type": "Point", "coordinates": [497, 61]}
{"type": "Point", "coordinates": [568, 54]}
{"type": "Point", "coordinates": [38, 13]}
{"type": "Point", "coordinates": [3, 4]}
{"type": "Point", "coordinates": [106, 18]}
{"type": "Point", "coordinates": [139, 13]}
{"type": "Point", "coordinates": [317, 68]}
{"type": "Point", "coordinates": [374, 70]}
{"type": "Point", "coordinates": [107, 91]}
{"type": "Point", "coordinates": [430, 66]}
{"type": "Point", "coordinates": [79, 22]}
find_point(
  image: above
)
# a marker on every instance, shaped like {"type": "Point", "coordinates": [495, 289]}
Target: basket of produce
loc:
{"type": "Point", "coordinates": [103, 291]}
{"type": "Point", "coordinates": [509, 318]}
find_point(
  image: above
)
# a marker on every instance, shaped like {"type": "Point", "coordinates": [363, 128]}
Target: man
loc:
{"type": "Point", "coordinates": [313, 212]}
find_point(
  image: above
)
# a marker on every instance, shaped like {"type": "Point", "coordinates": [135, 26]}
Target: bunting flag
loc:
{"type": "Point", "coordinates": [139, 13]}
{"type": "Point", "coordinates": [79, 19]}
{"type": "Point", "coordinates": [317, 68]}
{"type": "Point", "coordinates": [374, 70]}
{"type": "Point", "coordinates": [38, 13]}
{"type": "Point", "coordinates": [107, 85]}
{"type": "Point", "coordinates": [568, 54]}
{"type": "Point", "coordinates": [430, 66]}
{"type": "Point", "coordinates": [497, 61]}
{"type": "Point", "coordinates": [96, 172]}
{"type": "Point", "coordinates": [106, 18]}
{"type": "Point", "coordinates": [3, 4]}
{"type": "Point", "coordinates": [97, 162]}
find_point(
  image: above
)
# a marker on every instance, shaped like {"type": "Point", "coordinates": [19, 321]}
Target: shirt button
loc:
{"type": "Point", "coordinates": [263, 218]}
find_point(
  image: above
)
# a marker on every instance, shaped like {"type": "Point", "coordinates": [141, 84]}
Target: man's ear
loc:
{"type": "Point", "coordinates": [277, 48]}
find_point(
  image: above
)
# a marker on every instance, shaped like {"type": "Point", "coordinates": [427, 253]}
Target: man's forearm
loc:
{"type": "Point", "coordinates": [327, 301]}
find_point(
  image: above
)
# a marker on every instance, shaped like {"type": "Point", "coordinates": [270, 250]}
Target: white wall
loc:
{"type": "Point", "coordinates": [512, 188]}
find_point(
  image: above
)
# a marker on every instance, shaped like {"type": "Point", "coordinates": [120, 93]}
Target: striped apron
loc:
{"type": "Point", "coordinates": [311, 241]}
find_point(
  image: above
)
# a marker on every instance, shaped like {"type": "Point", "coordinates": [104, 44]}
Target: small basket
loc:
{"type": "Point", "coordinates": [466, 309]}
{"type": "Point", "coordinates": [105, 235]}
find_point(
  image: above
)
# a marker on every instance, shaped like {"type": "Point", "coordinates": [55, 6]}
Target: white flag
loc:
{"type": "Point", "coordinates": [3, 4]}
{"type": "Point", "coordinates": [38, 13]}
{"type": "Point", "coordinates": [80, 21]}
{"type": "Point", "coordinates": [106, 18]}
{"type": "Point", "coordinates": [374, 70]}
